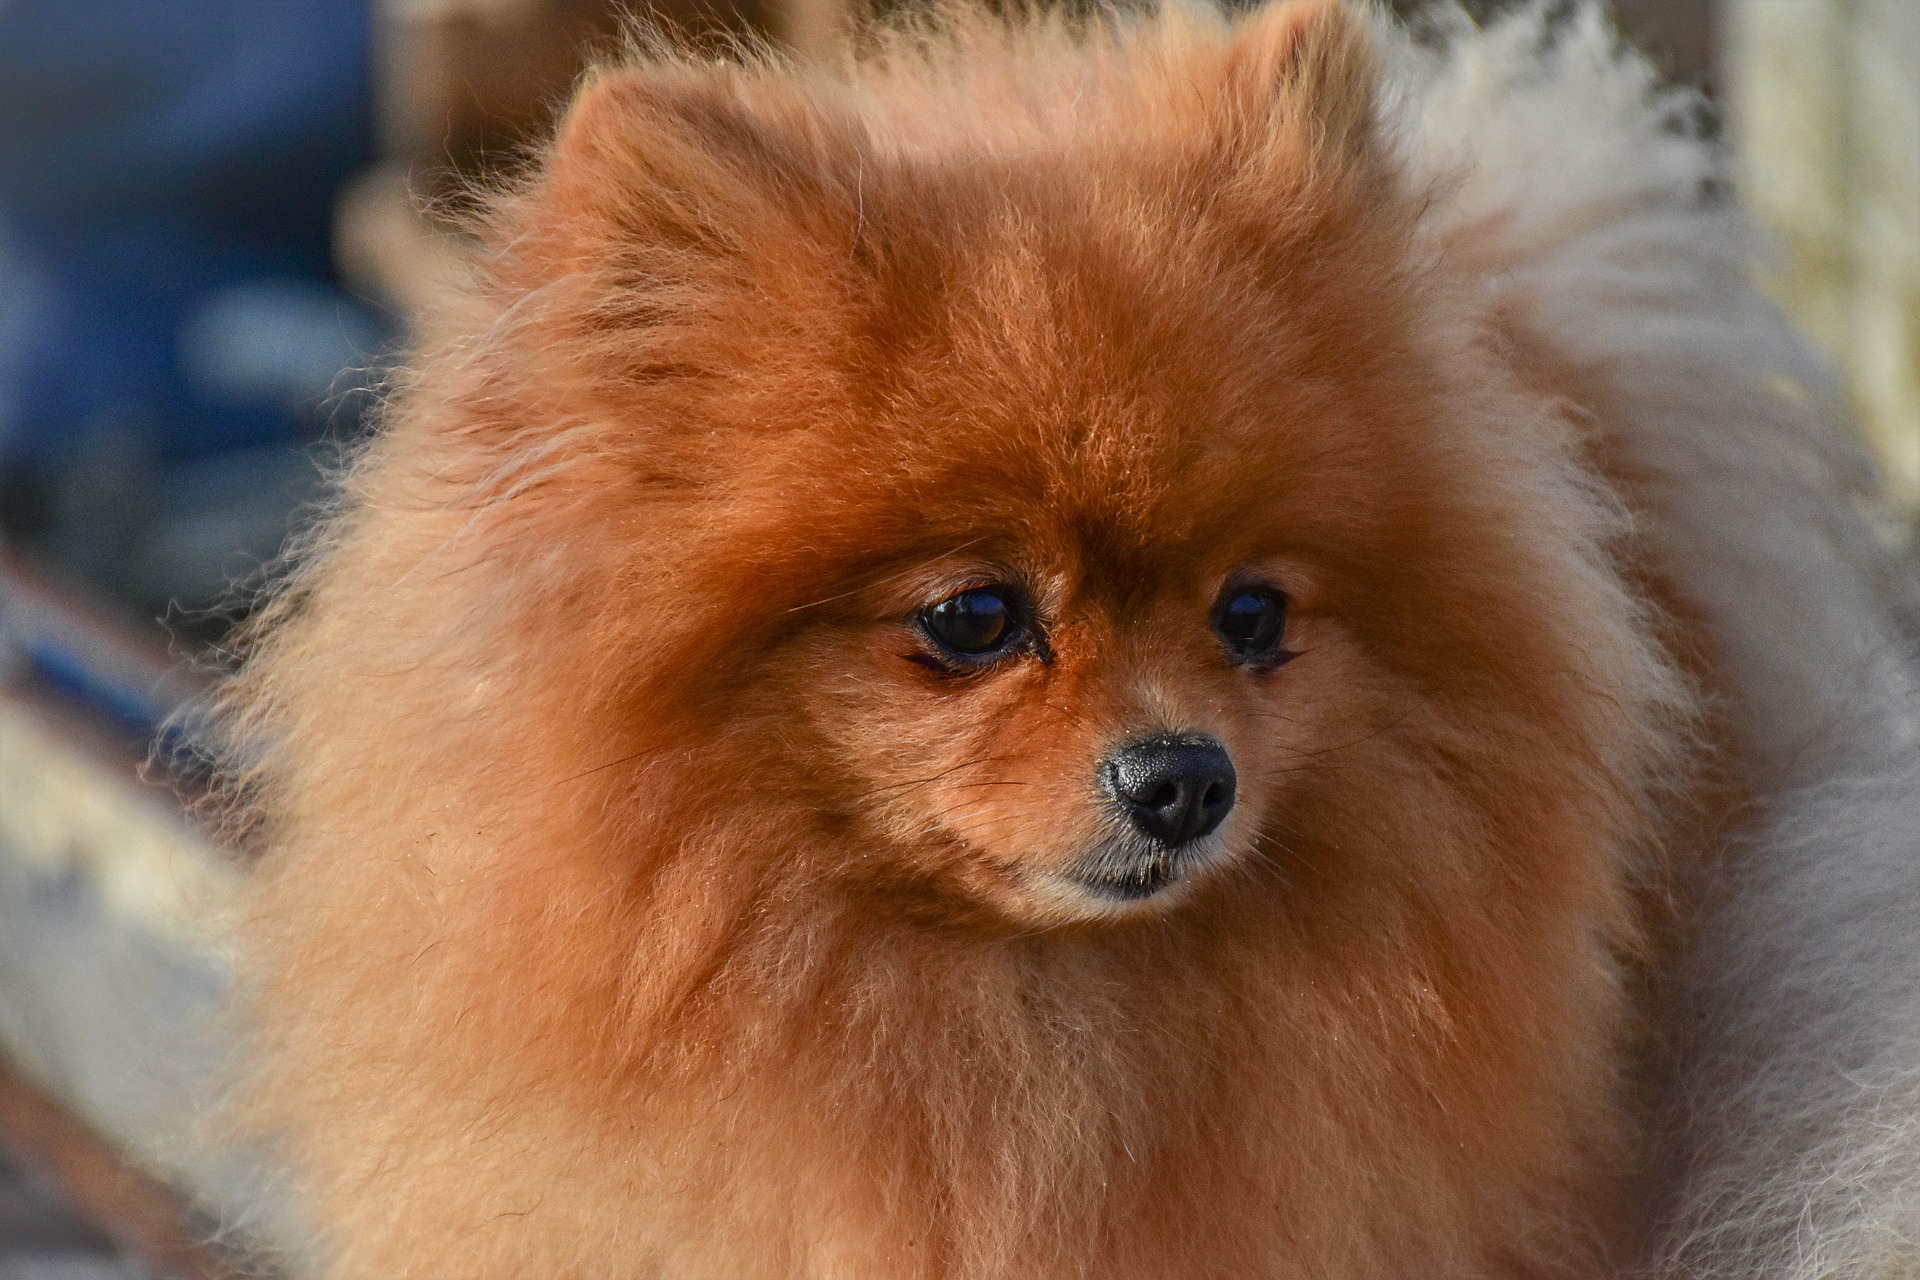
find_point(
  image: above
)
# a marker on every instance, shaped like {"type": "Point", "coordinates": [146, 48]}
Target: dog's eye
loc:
{"type": "Point", "coordinates": [1250, 621]}
{"type": "Point", "coordinates": [973, 624]}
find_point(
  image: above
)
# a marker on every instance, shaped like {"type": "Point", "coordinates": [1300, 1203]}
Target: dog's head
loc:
{"type": "Point", "coordinates": [1039, 518]}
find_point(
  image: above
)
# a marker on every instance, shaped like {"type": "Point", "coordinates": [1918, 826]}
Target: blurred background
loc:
{"type": "Point", "coordinates": [218, 226]}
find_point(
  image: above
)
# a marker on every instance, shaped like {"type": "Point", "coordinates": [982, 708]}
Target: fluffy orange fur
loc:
{"type": "Point", "coordinates": [635, 907]}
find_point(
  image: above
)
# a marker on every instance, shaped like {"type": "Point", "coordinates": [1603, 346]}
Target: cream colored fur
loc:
{"type": "Point", "coordinates": [1608, 225]}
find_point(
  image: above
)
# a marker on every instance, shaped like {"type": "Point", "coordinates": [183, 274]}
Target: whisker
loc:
{"type": "Point", "coordinates": [598, 768]}
{"type": "Point", "coordinates": [913, 783]}
{"type": "Point", "coordinates": [1388, 727]}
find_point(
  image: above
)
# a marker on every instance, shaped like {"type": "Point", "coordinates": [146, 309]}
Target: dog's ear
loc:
{"type": "Point", "coordinates": [1300, 85]}
{"type": "Point", "coordinates": [691, 156]}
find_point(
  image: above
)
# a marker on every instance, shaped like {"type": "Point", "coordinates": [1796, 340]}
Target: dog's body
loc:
{"type": "Point", "coordinates": [697, 757]}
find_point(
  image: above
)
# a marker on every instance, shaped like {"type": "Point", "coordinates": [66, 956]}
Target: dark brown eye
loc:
{"type": "Point", "coordinates": [973, 624]}
{"type": "Point", "coordinates": [1250, 621]}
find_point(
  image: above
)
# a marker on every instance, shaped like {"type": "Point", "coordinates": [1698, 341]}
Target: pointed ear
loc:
{"type": "Point", "coordinates": [685, 155]}
{"type": "Point", "coordinates": [1303, 76]}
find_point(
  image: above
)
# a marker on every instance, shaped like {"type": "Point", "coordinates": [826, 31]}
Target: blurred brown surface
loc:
{"type": "Point", "coordinates": [1679, 35]}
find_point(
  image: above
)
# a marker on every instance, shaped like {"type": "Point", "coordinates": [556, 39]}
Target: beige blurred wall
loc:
{"type": "Point", "coordinates": [1823, 104]}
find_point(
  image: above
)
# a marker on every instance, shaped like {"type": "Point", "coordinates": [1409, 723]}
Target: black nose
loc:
{"type": "Point", "coordinates": [1175, 789]}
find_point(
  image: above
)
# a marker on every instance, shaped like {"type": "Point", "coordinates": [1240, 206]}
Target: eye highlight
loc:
{"type": "Point", "coordinates": [1251, 621]}
{"type": "Point", "coordinates": [974, 625]}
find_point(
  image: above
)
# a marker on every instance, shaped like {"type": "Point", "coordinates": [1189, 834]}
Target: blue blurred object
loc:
{"type": "Point", "coordinates": [153, 153]}
{"type": "Point", "coordinates": [167, 174]}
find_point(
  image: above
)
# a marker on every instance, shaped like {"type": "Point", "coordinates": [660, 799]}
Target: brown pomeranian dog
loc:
{"type": "Point", "coordinates": [1080, 649]}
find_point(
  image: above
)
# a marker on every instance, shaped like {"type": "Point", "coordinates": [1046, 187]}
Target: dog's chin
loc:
{"type": "Point", "coordinates": [1124, 879]}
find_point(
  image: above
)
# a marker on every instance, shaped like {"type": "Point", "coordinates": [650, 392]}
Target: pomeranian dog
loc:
{"type": "Point", "coordinates": [1139, 646]}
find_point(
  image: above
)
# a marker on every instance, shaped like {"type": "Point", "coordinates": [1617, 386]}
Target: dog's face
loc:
{"type": "Point", "coordinates": [1069, 700]}
{"type": "Point", "coordinates": [1092, 635]}
{"type": "Point", "coordinates": [1057, 532]}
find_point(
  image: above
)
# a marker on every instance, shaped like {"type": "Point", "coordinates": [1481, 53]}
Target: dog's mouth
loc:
{"type": "Point", "coordinates": [1137, 884]}
{"type": "Point", "coordinates": [1123, 876]}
